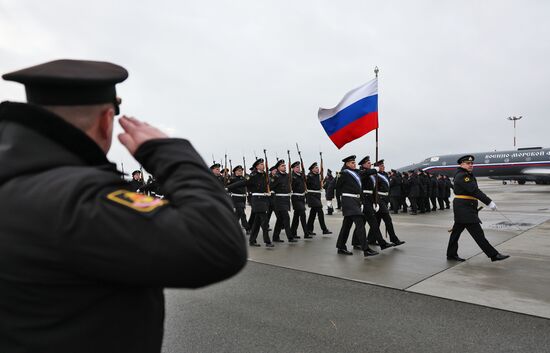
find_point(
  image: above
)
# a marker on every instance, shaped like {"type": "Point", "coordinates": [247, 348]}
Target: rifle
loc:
{"type": "Point", "coordinates": [122, 165]}
{"type": "Point", "coordinates": [225, 171]}
{"type": "Point", "coordinates": [303, 168]}
{"type": "Point", "coordinates": [289, 172]}
{"type": "Point", "coordinates": [322, 169]}
{"type": "Point", "coordinates": [266, 170]}
{"type": "Point", "coordinates": [230, 167]}
{"type": "Point", "coordinates": [244, 166]}
{"type": "Point", "coordinates": [213, 159]}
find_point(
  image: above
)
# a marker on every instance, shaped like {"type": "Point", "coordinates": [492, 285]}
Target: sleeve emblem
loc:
{"type": "Point", "coordinates": [466, 179]}
{"type": "Point", "coordinates": [138, 202]}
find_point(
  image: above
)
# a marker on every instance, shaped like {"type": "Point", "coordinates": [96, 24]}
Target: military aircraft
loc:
{"type": "Point", "coordinates": [521, 165]}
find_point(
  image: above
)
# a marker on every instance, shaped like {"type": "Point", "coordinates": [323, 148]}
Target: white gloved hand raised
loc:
{"type": "Point", "coordinates": [493, 206]}
{"type": "Point", "coordinates": [376, 207]}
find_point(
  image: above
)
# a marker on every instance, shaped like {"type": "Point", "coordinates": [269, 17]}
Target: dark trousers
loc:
{"type": "Point", "coordinates": [374, 229]}
{"type": "Point", "coordinates": [251, 219]}
{"type": "Point", "coordinates": [298, 216]}
{"type": "Point", "coordinates": [358, 233]}
{"type": "Point", "coordinates": [476, 232]}
{"type": "Point", "coordinates": [395, 203]}
{"type": "Point", "coordinates": [414, 204]}
{"type": "Point", "coordinates": [268, 217]}
{"type": "Point", "coordinates": [316, 211]}
{"type": "Point", "coordinates": [441, 203]}
{"type": "Point", "coordinates": [241, 216]}
{"type": "Point", "coordinates": [404, 203]}
{"type": "Point", "coordinates": [389, 227]}
{"type": "Point", "coordinates": [434, 203]}
{"type": "Point", "coordinates": [260, 220]}
{"type": "Point", "coordinates": [283, 221]}
{"type": "Point", "coordinates": [447, 203]}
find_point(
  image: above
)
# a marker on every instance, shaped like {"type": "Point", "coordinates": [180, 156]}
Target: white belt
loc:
{"type": "Point", "coordinates": [260, 194]}
{"type": "Point", "coordinates": [379, 192]}
{"type": "Point", "coordinates": [298, 194]}
{"type": "Point", "coordinates": [239, 195]}
{"type": "Point", "coordinates": [282, 195]}
{"type": "Point", "coordinates": [315, 191]}
{"type": "Point", "coordinates": [357, 196]}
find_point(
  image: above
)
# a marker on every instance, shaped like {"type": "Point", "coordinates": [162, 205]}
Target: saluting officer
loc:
{"type": "Point", "coordinates": [465, 204]}
{"type": "Point", "coordinates": [84, 258]}
{"type": "Point", "coordinates": [298, 201]}
{"type": "Point", "coordinates": [350, 185]}
{"type": "Point", "coordinates": [281, 187]}
{"type": "Point", "coordinates": [313, 198]}
{"type": "Point", "coordinates": [238, 195]}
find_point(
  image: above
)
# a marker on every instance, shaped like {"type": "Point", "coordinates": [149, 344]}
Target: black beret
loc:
{"type": "Point", "coordinates": [364, 160]}
{"type": "Point", "coordinates": [295, 164]}
{"type": "Point", "coordinates": [272, 168]}
{"type": "Point", "coordinates": [215, 165]}
{"type": "Point", "coordinates": [329, 171]}
{"type": "Point", "coordinates": [135, 172]}
{"type": "Point", "coordinates": [71, 82]}
{"type": "Point", "coordinates": [349, 159]}
{"type": "Point", "coordinates": [258, 161]}
{"type": "Point", "coordinates": [237, 167]}
{"type": "Point", "coordinates": [466, 158]}
{"type": "Point", "coordinates": [378, 163]}
{"type": "Point", "coordinates": [279, 163]}
{"type": "Point", "coordinates": [313, 166]}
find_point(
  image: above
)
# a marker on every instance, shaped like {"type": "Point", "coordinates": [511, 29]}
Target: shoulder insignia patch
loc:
{"type": "Point", "coordinates": [467, 179]}
{"type": "Point", "coordinates": [136, 201]}
{"type": "Point", "coordinates": [247, 177]}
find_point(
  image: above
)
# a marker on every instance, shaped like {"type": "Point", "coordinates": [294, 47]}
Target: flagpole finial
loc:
{"type": "Point", "coordinates": [376, 71]}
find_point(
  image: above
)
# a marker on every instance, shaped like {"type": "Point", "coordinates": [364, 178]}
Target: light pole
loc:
{"type": "Point", "coordinates": [514, 119]}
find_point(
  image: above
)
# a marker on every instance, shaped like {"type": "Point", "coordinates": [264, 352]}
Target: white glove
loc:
{"type": "Point", "coordinates": [377, 169]}
{"type": "Point", "coordinates": [376, 207]}
{"type": "Point", "coordinates": [493, 206]}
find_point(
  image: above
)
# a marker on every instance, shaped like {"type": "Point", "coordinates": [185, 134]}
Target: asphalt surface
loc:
{"type": "Point", "coordinates": [272, 309]}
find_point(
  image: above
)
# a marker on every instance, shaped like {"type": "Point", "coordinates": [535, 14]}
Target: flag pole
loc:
{"type": "Point", "coordinates": [376, 159]}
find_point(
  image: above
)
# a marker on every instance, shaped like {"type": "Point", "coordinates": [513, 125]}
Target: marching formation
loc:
{"type": "Point", "coordinates": [364, 192]}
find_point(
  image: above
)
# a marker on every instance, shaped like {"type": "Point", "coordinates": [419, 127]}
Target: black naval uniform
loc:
{"type": "Point", "coordinates": [434, 192]}
{"type": "Point", "coordinates": [238, 196]}
{"type": "Point", "coordinates": [281, 188]}
{"type": "Point", "coordinates": [299, 204]}
{"type": "Point", "coordinates": [368, 182]}
{"type": "Point", "coordinates": [448, 187]}
{"type": "Point", "coordinates": [383, 212]}
{"type": "Point", "coordinates": [349, 183]}
{"type": "Point", "coordinates": [329, 193]}
{"type": "Point", "coordinates": [396, 192]}
{"type": "Point", "coordinates": [313, 198]}
{"type": "Point", "coordinates": [256, 184]}
{"type": "Point", "coordinates": [84, 259]}
{"type": "Point", "coordinates": [414, 192]}
{"type": "Point", "coordinates": [441, 193]}
{"type": "Point", "coordinates": [466, 216]}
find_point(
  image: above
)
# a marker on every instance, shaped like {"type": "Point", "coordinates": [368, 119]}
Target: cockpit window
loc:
{"type": "Point", "coordinates": [434, 159]}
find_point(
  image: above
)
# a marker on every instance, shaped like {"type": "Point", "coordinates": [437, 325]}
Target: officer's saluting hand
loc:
{"type": "Point", "coordinates": [84, 259]}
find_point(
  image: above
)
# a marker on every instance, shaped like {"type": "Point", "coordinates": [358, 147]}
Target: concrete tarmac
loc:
{"type": "Point", "coordinates": [304, 297]}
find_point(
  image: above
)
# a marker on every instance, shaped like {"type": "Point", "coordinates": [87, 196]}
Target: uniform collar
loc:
{"type": "Point", "coordinates": [56, 129]}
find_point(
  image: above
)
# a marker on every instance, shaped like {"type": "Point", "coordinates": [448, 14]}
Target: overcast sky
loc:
{"type": "Point", "coordinates": [241, 76]}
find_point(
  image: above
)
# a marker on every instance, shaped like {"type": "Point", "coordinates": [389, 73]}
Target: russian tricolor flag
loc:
{"type": "Point", "coordinates": [354, 116]}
